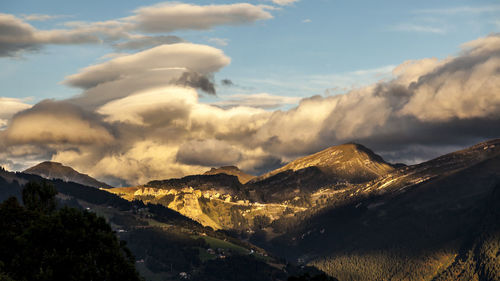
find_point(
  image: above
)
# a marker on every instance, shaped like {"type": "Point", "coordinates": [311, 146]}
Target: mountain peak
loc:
{"type": "Point", "coordinates": [232, 171]}
{"type": "Point", "coordinates": [56, 170]}
{"type": "Point", "coordinates": [352, 162]}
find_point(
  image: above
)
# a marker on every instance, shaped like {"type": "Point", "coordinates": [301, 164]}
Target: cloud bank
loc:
{"type": "Point", "coordinates": [139, 116]}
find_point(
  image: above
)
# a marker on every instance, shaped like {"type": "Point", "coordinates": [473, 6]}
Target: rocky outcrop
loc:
{"type": "Point", "coordinates": [231, 170]}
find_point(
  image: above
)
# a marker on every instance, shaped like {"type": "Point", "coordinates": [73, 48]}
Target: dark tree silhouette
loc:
{"type": "Point", "coordinates": [38, 242]}
{"type": "Point", "coordinates": [39, 197]}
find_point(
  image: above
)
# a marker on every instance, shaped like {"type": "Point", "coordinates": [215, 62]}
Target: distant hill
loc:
{"type": "Point", "coordinates": [231, 170]}
{"type": "Point", "coordinates": [54, 170]}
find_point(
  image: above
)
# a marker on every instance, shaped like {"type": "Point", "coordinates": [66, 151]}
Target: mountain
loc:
{"type": "Point", "coordinates": [422, 222]}
{"type": "Point", "coordinates": [54, 170]}
{"type": "Point", "coordinates": [226, 198]}
{"type": "Point", "coordinates": [341, 165]}
{"type": "Point", "coordinates": [347, 162]}
{"type": "Point", "coordinates": [231, 170]}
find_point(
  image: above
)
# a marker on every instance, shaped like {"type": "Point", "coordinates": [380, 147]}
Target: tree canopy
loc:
{"type": "Point", "coordinates": [39, 242]}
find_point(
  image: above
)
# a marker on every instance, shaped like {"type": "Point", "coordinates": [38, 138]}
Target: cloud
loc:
{"type": "Point", "coordinates": [179, 64]}
{"type": "Point", "coordinates": [195, 80]}
{"type": "Point", "coordinates": [133, 122]}
{"type": "Point", "coordinates": [306, 21]}
{"type": "Point", "coordinates": [227, 82]}
{"type": "Point", "coordinates": [112, 56]}
{"type": "Point", "coordinates": [208, 153]}
{"type": "Point", "coordinates": [189, 57]}
{"type": "Point", "coordinates": [314, 84]}
{"type": "Point", "coordinates": [17, 36]}
{"type": "Point", "coordinates": [262, 100]}
{"type": "Point", "coordinates": [9, 107]}
{"type": "Point", "coordinates": [284, 2]}
{"type": "Point", "coordinates": [146, 42]}
{"type": "Point", "coordinates": [219, 41]}
{"type": "Point", "coordinates": [418, 28]}
{"type": "Point", "coordinates": [159, 106]}
{"type": "Point", "coordinates": [168, 17]}
{"type": "Point", "coordinates": [52, 122]}
{"type": "Point", "coordinates": [42, 17]}
{"type": "Point", "coordinates": [461, 10]}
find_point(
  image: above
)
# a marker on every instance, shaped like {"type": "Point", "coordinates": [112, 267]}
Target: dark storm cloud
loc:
{"type": "Point", "coordinates": [196, 80]}
{"type": "Point", "coordinates": [226, 82]}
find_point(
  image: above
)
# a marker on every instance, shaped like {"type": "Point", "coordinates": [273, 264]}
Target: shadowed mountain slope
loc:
{"type": "Point", "coordinates": [54, 170]}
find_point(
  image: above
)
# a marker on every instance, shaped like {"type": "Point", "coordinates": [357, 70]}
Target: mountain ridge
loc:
{"type": "Point", "coordinates": [55, 170]}
{"type": "Point", "coordinates": [351, 162]}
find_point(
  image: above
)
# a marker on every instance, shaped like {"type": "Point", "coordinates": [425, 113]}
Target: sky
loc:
{"type": "Point", "coordinates": [130, 91]}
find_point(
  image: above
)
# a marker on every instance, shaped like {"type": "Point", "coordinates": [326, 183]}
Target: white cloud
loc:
{"type": "Point", "coordinates": [419, 28]}
{"type": "Point", "coordinates": [42, 17]}
{"type": "Point", "coordinates": [262, 100]}
{"type": "Point", "coordinates": [9, 107]}
{"type": "Point", "coordinates": [17, 35]}
{"type": "Point", "coordinates": [50, 122]}
{"type": "Point", "coordinates": [167, 17]}
{"type": "Point", "coordinates": [161, 105]}
{"type": "Point", "coordinates": [313, 84]}
{"type": "Point", "coordinates": [145, 42]}
{"type": "Point", "coordinates": [284, 2]}
{"type": "Point", "coordinates": [461, 10]}
{"type": "Point", "coordinates": [219, 41]}
{"type": "Point", "coordinates": [211, 152]}
{"type": "Point", "coordinates": [198, 58]}
{"type": "Point", "coordinates": [126, 33]}
{"type": "Point", "coordinates": [183, 64]}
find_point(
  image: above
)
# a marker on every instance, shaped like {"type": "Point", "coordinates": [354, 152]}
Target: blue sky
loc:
{"type": "Point", "coordinates": [325, 39]}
